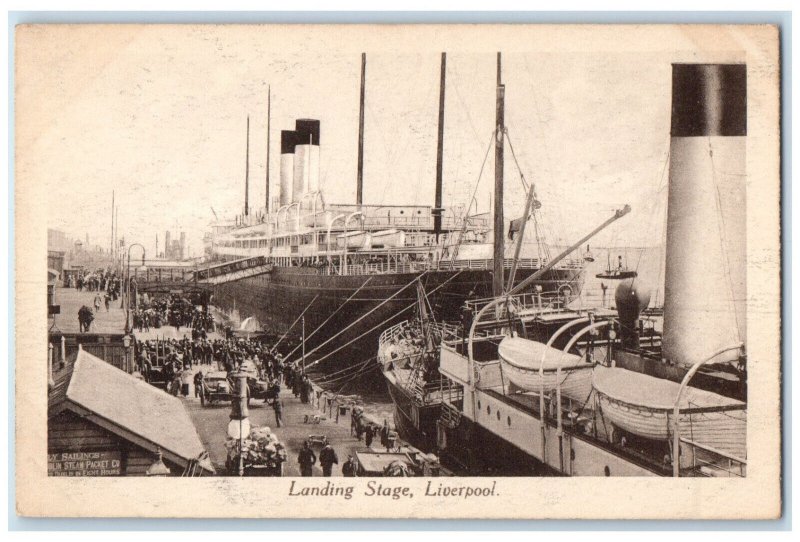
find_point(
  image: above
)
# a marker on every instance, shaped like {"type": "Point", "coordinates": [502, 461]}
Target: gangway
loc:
{"type": "Point", "coordinates": [233, 270]}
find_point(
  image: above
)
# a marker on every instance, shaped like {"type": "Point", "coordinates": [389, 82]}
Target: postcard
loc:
{"type": "Point", "coordinates": [398, 271]}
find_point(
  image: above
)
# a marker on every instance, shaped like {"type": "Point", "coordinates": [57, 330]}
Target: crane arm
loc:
{"type": "Point", "coordinates": [619, 213]}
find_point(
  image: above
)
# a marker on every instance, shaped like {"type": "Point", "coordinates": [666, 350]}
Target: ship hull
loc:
{"type": "Point", "coordinates": [345, 314]}
{"type": "Point", "coordinates": [470, 449]}
{"type": "Point", "coordinates": [414, 421]}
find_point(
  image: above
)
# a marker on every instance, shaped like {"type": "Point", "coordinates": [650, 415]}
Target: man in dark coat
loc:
{"type": "Point", "coordinates": [287, 375]}
{"type": "Point", "coordinates": [350, 467]}
{"type": "Point", "coordinates": [297, 384]}
{"type": "Point", "coordinates": [305, 389]}
{"type": "Point", "coordinates": [277, 405]}
{"type": "Point", "coordinates": [385, 435]}
{"type": "Point", "coordinates": [198, 383]}
{"type": "Point", "coordinates": [85, 317]}
{"type": "Point", "coordinates": [306, 459]}
{"type": "Point", "coordinates": [328, 458]}
{"type": "Point", "coordinates": [369, 433]}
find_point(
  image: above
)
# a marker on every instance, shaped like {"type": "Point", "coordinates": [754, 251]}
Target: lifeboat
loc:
{"type": "Point", "coordinates": [388, 239]}
{"type": "Point", "coordinates": [643, 405]}
{"type": "Point", "coordinates": [521, 360]}
{"type": "Point", "coordinates": [353, 239]}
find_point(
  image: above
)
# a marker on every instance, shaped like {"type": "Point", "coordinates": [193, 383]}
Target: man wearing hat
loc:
{"type": "Point", "coordinates": [328, 458]}
{"type": "Point", "coordinates": [306, 458]}
{"type": "Point", "coordinates": [349, 467]}
{"type": "Point", "coordinates": [277, 405]}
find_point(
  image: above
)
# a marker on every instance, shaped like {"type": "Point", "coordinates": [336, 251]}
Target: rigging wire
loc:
{"type": "Point", "coordinates": [723, 240]}
{"type": "Point", "coordinates": [365, 315]}
{"type": "Point", "coordinates": [465, 218]}
{"type": "Point", "coordinates": [366, 370]}
{"type": "Point", "coordinates": [294, 323]}
{"type": "Point", "coordinates": [533, 210]}
{"type": "Point", "coordinates": [349, 371]}
{"type": "Point", "coordinates": [379, 324]}
{"type": "Point", "coordinates": [654, 203]}
{"type": "Point", "coordinates": [331, 316]}
{"type": "Point", "coordinates": [452, 83]}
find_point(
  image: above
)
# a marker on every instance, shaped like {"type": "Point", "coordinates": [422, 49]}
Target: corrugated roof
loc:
{"type": "Point", "coordinates": [132, 405]}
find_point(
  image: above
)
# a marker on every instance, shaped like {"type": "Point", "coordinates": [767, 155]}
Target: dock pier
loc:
{"type": "Point", "coordinates": [327, 417]}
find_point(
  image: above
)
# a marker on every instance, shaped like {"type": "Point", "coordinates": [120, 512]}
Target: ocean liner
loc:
{"type": "Point", "coordinates": [339, 274]}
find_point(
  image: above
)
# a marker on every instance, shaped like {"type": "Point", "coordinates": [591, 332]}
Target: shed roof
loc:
{"type": "Point", "coordinates": [128, 407]}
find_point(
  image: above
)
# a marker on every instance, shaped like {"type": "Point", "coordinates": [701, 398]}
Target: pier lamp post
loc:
{"type": "Point", "coordinates": [126, 342]}
{"type": "Point", "coordinates": [128, 284]}
{"type": "Point", "coordinates": [239, 425]}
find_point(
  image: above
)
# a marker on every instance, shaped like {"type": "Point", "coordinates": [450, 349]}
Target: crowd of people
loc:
{"type": "Point", "coordinates": [100, 280]}
{"type": "Point", "coordinates": [174, 311]}
{"type": "Point", "coordinates": [181, 363]}
{"type": "Point", "coordinates": [178, 360]}
{"type": "Point", "coordinates": [172, 357]}
{"type": "Point", "coordinates": [103, 281]}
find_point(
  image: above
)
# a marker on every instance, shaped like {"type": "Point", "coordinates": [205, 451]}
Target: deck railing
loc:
{"type": "Point", "coordinates": [539, 301]}
{"type": "Point", "coordinates": [707, 461]}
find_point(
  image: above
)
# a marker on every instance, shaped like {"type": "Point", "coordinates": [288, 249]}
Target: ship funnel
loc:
{"type": "Point", "coordinates": [288, 144]}
{"type": "Point", "coordinates": [631, 299]}
{"type": "Point", "coordinates": [705, 291]}
{"type": "Point", "coordinates": [306, 158]}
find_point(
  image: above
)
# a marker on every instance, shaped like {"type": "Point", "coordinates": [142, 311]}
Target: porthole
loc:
{"type": "Point", "coordinates": [509, 421]}
{"type": "Point", "coordinates": [419, 212]}
{"type": "Point", "coordinates": [402, 212]}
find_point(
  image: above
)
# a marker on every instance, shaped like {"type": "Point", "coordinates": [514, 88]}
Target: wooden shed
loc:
{"type": "Point", "coordinates": [105, 422]}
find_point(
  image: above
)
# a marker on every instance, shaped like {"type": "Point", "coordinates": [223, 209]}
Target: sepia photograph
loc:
{"type": "Point", "coordinates": [455, 270]}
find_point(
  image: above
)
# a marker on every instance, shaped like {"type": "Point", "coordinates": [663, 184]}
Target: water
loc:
{"type": "Point", "coordinates": [646, 261]}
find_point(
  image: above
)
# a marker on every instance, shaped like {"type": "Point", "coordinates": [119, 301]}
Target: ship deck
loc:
{"type": "Point", "coordinates": [434, 394]}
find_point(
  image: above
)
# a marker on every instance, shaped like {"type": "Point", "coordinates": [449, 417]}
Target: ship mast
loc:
{"type": "Point", "coordinates": [499, 247]}
{"type": "Point", "coordinates": [269, 115]}
{"type": "Point", "coordinates": [437, 206]}
{"type": "Point", "coordinates": [247, 172]}
{"type": "Point", "coordinates": [360, 175]}
{"type": "Point", "coordinates": [113, 234]}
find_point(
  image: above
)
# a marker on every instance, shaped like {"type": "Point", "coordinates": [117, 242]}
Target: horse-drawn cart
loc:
{"type": "Point", "coordinates": [262, 454]}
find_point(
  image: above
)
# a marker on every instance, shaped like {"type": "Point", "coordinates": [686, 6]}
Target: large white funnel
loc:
{"type": "Point", "coordinates": [705, 294]}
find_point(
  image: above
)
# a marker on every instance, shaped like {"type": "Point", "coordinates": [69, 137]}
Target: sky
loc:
{"type": "Point", "coordinates": [158, 115]}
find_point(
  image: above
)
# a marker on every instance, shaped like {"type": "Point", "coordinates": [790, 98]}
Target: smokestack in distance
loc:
{"type": "Point", "coordinates": [306, 158]}
{"type": "Point", "coordinates": [288, 144]}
